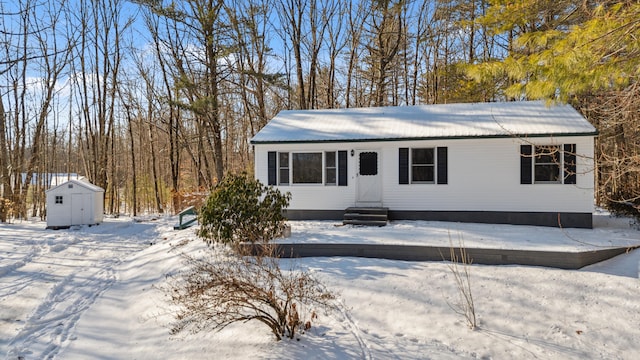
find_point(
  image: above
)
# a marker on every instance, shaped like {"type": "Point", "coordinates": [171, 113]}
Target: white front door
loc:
{"type": "Point", "coordinates": [369, 179]}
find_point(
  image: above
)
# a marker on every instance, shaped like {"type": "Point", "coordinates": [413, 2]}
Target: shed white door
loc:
{"type": "Point", "coordinates": [369, 180]}
{"type": "Point", "coordinates": [80, 209]}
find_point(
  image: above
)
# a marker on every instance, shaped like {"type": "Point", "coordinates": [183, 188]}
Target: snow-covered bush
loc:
{"type": "Point", "coordinates": [241, 209]}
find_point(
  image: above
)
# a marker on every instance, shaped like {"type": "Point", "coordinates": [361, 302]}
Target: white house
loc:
{"type": "Point", "coordinates": [74, 202]}
{"type": "Point", "coordinates": [512, 162]}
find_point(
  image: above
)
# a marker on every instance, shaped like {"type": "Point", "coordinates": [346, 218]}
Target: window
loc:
{"type": "Point", "coordinates": [330, 168]}
{"type": "Point", "coordinates": [306, 168]}
{"type": "Point", "coordinates": [283, 168]}
{"type": "Point", "coordinates": [547, 164]}
{"type": "Point", "coordinates": [422, 165]}
{"type": "Point", "coordinates": [59, 199]}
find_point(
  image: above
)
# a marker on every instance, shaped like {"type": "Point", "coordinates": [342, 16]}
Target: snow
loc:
{"type": "Point", "coordinates": [501, 119]}
{"type": "Point", "coordinates": [94, 292]}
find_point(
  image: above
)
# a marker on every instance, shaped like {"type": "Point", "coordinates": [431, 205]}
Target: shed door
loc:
{"type": "Point", "coordinates": [81, 210]}
{"type": "Point", "coordinates": [369, 182]}
{"type": "Point", "coordinates": [77, 209]}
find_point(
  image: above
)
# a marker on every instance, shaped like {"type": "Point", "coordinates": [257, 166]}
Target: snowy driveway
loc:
{"type": "Point", "coordinates": [49, 278]}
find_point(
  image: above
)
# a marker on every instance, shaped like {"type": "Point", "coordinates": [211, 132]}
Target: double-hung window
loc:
{"type": "Point", "coordinates": [330, 168]}
{"type": "Point", "coordinates": [548, 164]}
{"type": "Point", "coordinates": [283, 168]}
{"type": "Point", "coordinates": [423, 165]}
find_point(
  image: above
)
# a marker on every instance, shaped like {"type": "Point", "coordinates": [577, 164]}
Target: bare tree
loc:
{"type": "Point", "coordinates": [199, 72]}
{"type": "Point", "coordinates": [386, 39]}
{"type": "Point", "coordinates": [256, 80]}
{"type": "Point", "coordinates": [291, 16]}
{"type": "Point", "coordinates": [99, 55]}
{"type": "Point", "coordinates": [33, 43]}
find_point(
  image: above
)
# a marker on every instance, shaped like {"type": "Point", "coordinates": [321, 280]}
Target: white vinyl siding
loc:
{"type": "Point", "coordinates": [483, 175]}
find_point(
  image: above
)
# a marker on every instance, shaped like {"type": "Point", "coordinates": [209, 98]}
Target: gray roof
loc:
{"type": "Point", "coordinates": [504, 119]}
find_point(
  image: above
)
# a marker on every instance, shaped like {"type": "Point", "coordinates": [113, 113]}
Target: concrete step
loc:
{"type": "Point", "coordinates": [372, 217]}
{"type": "Point", "coordinates": [367, 216]}
{"type": "Point", "coordinates": [365, 222]}
{"type": "Point", "coordinates": [367, 210]}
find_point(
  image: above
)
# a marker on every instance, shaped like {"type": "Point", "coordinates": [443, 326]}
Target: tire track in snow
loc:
{"type": "Point", "coordinates": [34, 251]}
{"type": "Point", "coordinates": [48, 329]}
{"type": "Point", "coordinates": [88, 259]}
{"type": "Point", "coordinates": [354, 329]}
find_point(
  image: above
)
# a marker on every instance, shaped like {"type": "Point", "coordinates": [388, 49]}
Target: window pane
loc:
{"type": "Point", "coordinates": [307, 168]}
{"type": "Point", "coordinates": [550, 172]}
{"type": "Point", "coordinates": [284, 176]}
{"type": "Point", "coordinates": [284, 159]}
{"type": "Point", "coordinates": [547, 154]}
{"type": "Point", "coordinates": [422, 173]}
{"type": "Point", "coordinates": [369, 163]}
{"type": "Point", "coordinates": [331, 176]}
{"type": "Point", "coordinates": [330, 159]}
{"type": "Point", "coordinates": [422, 156]}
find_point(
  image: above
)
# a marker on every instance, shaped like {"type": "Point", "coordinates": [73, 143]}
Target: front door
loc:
{"type": "Point", "coordinates": [369, 182]}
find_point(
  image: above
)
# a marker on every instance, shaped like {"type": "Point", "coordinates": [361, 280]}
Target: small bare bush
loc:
{"type": "Point", "coordinates": [227, 288]}
{"type": "Point", "coordinates": [460, 268]}
{"type": "Point", "coordinates": [6, 209]}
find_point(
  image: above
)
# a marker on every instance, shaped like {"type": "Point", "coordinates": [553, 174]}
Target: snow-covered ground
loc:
{"type": "Point", "coordinates": [93, 293]}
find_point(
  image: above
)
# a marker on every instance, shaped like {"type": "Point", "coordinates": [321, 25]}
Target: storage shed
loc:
{"type": "Point", "coordinates": [512, 162]}
{"type": "Point", "coordinates": [74, 202]}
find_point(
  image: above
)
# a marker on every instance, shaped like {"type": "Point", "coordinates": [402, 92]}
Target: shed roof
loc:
{"type": "Point", "coordinates": [472, 120]}
{"type": "Point", "coordinates": [85, 184]}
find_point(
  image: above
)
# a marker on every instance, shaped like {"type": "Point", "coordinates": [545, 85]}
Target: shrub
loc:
{"type": "Point", "coordinates": [242, 209]}
{"type": "Point", "coordinates": [235, 284]}
{"type": "Point", "coordinates": [224, 288]}
{"type": "Point", "coordinates": [6, 209]}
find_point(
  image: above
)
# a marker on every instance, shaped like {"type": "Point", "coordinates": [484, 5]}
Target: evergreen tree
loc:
{"type": "Point", "coordinates": [587, 54]}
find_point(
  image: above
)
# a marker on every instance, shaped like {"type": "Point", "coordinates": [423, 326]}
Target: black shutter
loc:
{"type": "Point", "coordinates": [526, 162]}
{"type": "Point", "coordinates": [403, 168]}
{"type": "Point", "coordinates": [272, 166]}
{"type": "Point", "coordinates": [569, 163]}
{"type": "Point", "coordinates": [342, 168]}
{"type": "Point", "coordinates": [442, 165]}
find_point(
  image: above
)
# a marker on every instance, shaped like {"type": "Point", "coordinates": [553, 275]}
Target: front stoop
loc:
{"type": "Point", "coordinates": [368, 216]}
